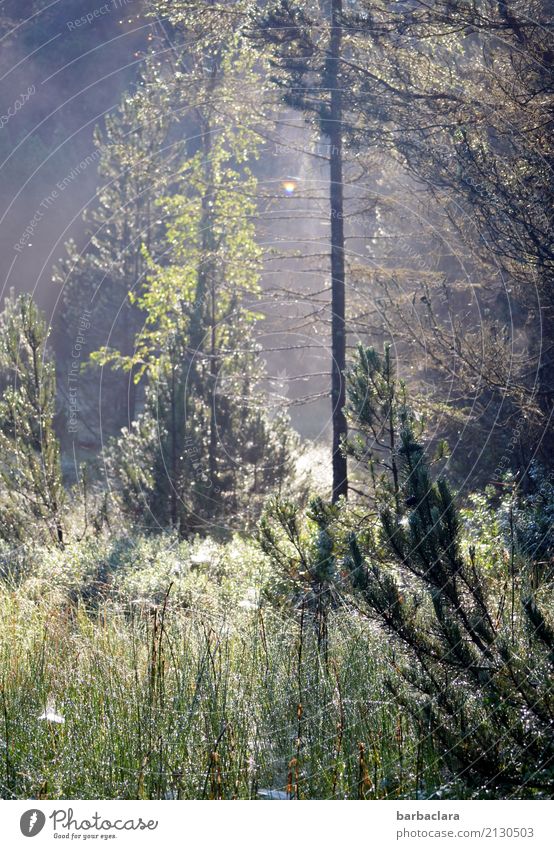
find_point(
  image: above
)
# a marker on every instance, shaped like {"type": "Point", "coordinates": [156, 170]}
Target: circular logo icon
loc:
{"type": "Point", "coordinates": [32, 822]}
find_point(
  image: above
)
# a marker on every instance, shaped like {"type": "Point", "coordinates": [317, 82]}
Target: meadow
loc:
{"type": "Point", "coordinates": [188, 692]}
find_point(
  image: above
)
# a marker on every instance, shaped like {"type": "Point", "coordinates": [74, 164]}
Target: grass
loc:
{"type": "Point", "coordinates": [163, 701]}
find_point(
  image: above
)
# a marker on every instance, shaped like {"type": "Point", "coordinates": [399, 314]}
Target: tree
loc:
{"type": "Point", "coordinates": [32, 495]}
{"type": "Point", "coordinates": [135, 157]}
{"type": "Point", "coordinates": [474, 671]}
{"type": "Point", "coordinates": [211, 447]}
{"type": "Point", "coordinates": [481, 153]}
{"type": "Point", "coordinates": [375, 398]}
{"type": "Point", "coordinates": [304, 562]}
{"type": "Point", "coordinates": [306, 52]}
{"type": "Point", "coordinates": [338, 330]}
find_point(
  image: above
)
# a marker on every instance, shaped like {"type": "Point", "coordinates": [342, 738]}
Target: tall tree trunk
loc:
{"type": "Point", "coordinates": [209, 288]}
{"type": "Point", "coordinates": [338, 333]}
{"type": "Point", "coordinates": [174, 482]}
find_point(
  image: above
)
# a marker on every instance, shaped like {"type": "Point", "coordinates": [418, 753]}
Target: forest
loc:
{"type": "Point", "coordinates": [276, 398]}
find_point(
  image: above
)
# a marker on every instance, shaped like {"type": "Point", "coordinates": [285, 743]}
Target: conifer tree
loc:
{"type": "Point", "coordinates": [375, 399]}
{"type": "Point", "coordinates": [305, 568]}
{"type": "Point", "coordinates": [135, 159]}
{"type": "Point", "coordinates": [474, 670]}
{"type": "Point", "coordinates": [31, 489]}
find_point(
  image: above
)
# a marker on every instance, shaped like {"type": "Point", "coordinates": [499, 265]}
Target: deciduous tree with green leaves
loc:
{"type": "Point", "coordinates": [211, 446]}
